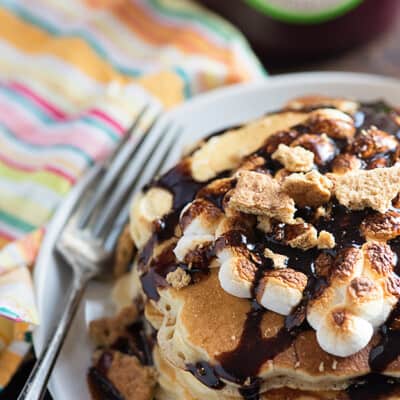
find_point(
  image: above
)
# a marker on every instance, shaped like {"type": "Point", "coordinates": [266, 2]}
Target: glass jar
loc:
{"type": "Point", "coordinates": [289, 31]}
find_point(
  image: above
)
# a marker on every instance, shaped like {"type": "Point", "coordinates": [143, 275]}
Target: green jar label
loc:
{"type": "Point", "coordinates": [304, 11]}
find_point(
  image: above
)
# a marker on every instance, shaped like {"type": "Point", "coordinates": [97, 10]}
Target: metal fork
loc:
{"type": "Point", "coordinates": [88, 240]}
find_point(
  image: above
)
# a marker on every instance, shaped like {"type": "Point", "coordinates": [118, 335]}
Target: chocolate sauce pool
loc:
{"type": "Point", "coordinates": [243, 364]}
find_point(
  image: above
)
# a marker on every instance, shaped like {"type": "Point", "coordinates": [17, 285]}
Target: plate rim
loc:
{"type": "Point", "coordinates": [285, 79]}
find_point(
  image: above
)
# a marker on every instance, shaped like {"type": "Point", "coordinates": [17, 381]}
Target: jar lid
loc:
{"type": "Point", "coordinates": [304, 11]}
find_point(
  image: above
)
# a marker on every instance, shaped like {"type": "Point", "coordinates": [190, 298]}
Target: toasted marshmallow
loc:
{"type": "Point", "coordinates": [198, 228]}
{"type": "Point", "coordinates": [236, 273]}
{"type": "Point", "coordinates": [198, 221]}
{"type": "Point", "coordinates": [281, 290]}
{"type": "Point", "coordinates": [381, 226]}
{"type": "Point", "coordinates": [362, 292]}
{"type": "Point", "coordinates": [365, 299]}
{"type": "Point", "coordinates": [334, 123]}
{"type": "Point", "coordinates": [391, 293]}
{"type": "Point", "coordinates": [321, 145]}
{"type": "Point", "coordinates": [347, 266]}
{"type": "Point", "coordinates": [200, 217]}
{"type": "Point", "coordinates": [379, 260]}
{"type": "Point", "coordinates": [306, 102]}
{"type": "Point", "coordinates": [226, 151]}
{"type": "Point", "coordinates": [319, 307]}
{"type": "Point", "coordinates": [146, 208]}
{"type": "Point", "coordinates": [342, 334]}
{"type": "Point", "coordinates": [188, 243]}
{"type": "Point", "coordinates": [234, 223]}
{"type": "Point", "coordinates": [372, 142]}
{"type": "Point", "coordinates": [387, 307]}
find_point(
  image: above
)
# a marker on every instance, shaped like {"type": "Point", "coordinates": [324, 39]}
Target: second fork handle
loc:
{"type": "Point", "coordinates": [36, 384]}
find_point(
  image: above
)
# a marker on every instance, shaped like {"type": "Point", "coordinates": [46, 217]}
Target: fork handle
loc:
{"type": "Point", "coordinates": [36, 384]}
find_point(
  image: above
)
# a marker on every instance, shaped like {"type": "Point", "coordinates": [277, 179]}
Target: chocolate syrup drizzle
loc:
{"type": "Point", "coordinates": [135, 342]}
{"type": "Point", "coordinates": [243, 364]}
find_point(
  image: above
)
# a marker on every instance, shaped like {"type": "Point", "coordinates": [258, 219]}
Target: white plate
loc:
{"type": "Point", "coordinates": [198, 117]}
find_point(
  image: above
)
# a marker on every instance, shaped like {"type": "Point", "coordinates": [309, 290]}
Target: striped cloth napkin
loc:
{"type": "Point", "coordinates": [73, 76]}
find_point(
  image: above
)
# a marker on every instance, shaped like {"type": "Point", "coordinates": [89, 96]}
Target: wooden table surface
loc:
{"type": "Point", "coordinates": [381, 56]}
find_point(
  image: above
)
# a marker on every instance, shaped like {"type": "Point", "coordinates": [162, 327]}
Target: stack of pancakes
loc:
{"type": "Point", "coordinates": [267, 259]}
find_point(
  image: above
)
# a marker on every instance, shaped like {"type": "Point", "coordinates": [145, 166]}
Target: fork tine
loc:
{"type": "Point", "coordinates": [158, 162]}
{"type": "Point", "coordinates": [122, 154]}
{"type": "Point", "coordinates": [143, 110]}
{"type": "Point", "coordinates": [157, 159]}
{"type": "Point", "coordinates": [135, 171]}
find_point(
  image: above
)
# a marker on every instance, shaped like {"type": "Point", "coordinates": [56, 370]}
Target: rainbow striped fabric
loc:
{"type": "Point", "coordinates": [73, 76]}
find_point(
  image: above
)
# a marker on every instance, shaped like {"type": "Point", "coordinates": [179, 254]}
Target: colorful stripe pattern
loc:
{"type": "Point", "coordinates": [73, 77]}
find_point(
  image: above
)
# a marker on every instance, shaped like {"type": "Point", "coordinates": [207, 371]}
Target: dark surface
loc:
{"type": "Point", "coordinates": [15, 386]}
{"type": "Point", "coordinates": [280, 42]}
{"type": "Point", "coordinates": [380, 56]}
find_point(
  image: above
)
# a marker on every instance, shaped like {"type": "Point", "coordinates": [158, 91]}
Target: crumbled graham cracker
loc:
{"type": "Point", "coordinates": [333, 122]}
{"type": "Point", "coordinates": [321, 212]}
{"type": "Point", "coordinates": [281, 175]}
{"type": "Point", "coordinates": [264, 223]}
{"type": "Point", "coordinates": [304, 237]}
{"type": "Point", "coordinates": [133, 380]}
{"type": "Point", "coordinates": [105, 331]}
{"type": "Point", "coordinates": [294, 159]}
{"type": "Point", "coordinates": [326, 240]}
{"type": "Point", "coordinates": [310, 189]}
{"type": "Point", "coordinates": [178, 279]}
{"type": "Point", "coordinates": [260, 194]}
{"type": "Point", "coordinates": [373, 188]}
{"type": "Point", "coordinates": [279, 260]}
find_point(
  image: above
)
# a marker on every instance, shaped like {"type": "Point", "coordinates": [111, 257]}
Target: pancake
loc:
{"type": "Point", "coordinates": [175, 383]}
{"type": "Point", "coordinates": [267, 258]}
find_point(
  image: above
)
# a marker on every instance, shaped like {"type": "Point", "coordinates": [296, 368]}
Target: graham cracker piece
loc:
{"type": "Point", "coordinates": [310, 189]}
{"type": "Point", "coordinates": [374, 188]}
{"type": "Point", "coordinates": [294, 159]}
{"type": "Point", "coordinates": [260, 194]}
